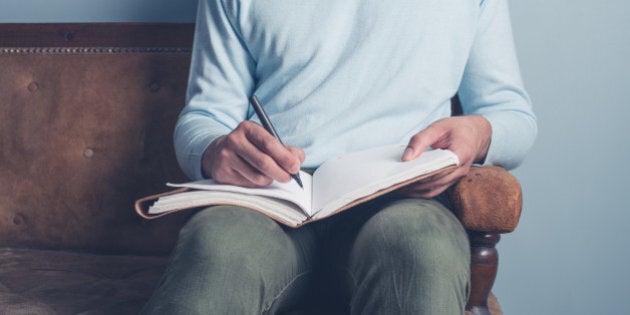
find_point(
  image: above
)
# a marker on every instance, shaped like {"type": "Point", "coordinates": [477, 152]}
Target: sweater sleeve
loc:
{"type": "Point", "coordinates": [220, 80]}
{"type": "Point", "coordinates": [492, 87]}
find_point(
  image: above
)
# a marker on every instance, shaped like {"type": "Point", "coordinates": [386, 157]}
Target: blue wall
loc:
{"type": "Point", "coordinates": [51, 11]}
{"type": "Point", "coordinates": [571, 253]}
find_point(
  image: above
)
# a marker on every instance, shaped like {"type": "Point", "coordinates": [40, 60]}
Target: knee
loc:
{"type": "Point", "coordinates": [411, 257]}
{"type": "Point", "coordinates": [229, 234]}
{"type": "Point", "coordinates": [226, 261]}
{"type": "Point", "coordinates": [421, 234]}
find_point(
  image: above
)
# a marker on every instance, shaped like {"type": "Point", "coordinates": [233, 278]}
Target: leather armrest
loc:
{"type": "Point", "coordinates": [488, 199]}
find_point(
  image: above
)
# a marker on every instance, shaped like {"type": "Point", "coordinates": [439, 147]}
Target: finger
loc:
{"type": "Point", "coordinates": [235, 178]}
{"type": "Point", "coordinates": [436, 191]}
{"type": "Point", "coordinates": [446, 180]}
{"type": "Point", "coordinates": [430, 137]}
{"type": "Point", "coordinates": [428, 192]}
{"type": "Point", "coordinates": [238, 146]}
{"type": "Point", "coordinates": [283, 157]}
{"type": "Point", "coordinates": [231, 169]}
{"type": "Point", "coordinates": [297, 152]}
{"type": "Point", "coordinates": [438, 184]}
{"type": "Point", "coordinates": [435, 177]}
{"type": "Point", "coordinates": [248, 175]}
{"type": "Point", "coordinates": [261, 163]}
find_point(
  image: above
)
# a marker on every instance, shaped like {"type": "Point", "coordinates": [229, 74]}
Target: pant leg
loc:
{"type": "Point", "coordinates": [408, 256]}
{"type": "Point", "coordinates": [230, 260]}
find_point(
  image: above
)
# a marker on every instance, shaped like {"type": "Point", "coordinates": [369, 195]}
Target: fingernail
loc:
{"type": "Point", "coordinates": [295, 169]}
{"type": "Point", "coordinates": [408, 154]}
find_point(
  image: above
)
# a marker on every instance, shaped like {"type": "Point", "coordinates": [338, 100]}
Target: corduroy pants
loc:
{"type": "Point", "coordinates": [388, 256]}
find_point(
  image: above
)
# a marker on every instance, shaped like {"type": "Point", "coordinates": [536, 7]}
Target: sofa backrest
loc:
{"type": "Point", "coordinates": [86, 117]}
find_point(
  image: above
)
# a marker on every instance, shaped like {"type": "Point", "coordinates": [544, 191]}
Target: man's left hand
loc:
{"type": "Point", "coordinates": [467, 136]}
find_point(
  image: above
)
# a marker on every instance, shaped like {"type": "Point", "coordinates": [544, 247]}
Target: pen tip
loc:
{"type": "Point", "coordinates": [297, 178]}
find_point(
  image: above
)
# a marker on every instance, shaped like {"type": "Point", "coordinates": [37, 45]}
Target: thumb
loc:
{"type": "Point", "coordinates": [432, 136]}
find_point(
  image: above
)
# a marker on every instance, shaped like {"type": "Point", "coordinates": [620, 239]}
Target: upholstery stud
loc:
{"type": "Point", "coordinates": [33, 86]}
{"type": "Point", "coordinates": [67, 34]}
{"type": "Point", "coordinates": [18, 219]}
{"type": "Point", "coordinates": [154, 87]}
{"type": "Point", "coordinates": [88, 153]}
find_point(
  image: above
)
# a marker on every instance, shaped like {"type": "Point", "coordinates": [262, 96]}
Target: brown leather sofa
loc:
{"type": "Point", "coordinates": [86, 115]}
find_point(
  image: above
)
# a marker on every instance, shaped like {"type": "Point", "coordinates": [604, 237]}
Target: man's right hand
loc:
{"type": "Point", "coordinates": [249, 156]}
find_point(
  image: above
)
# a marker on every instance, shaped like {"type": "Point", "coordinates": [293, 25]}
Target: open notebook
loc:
{"type": "Point", "coordinates": [338, 184]}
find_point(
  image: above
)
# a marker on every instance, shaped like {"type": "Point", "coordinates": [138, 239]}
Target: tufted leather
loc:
{"type": "Point", "coordinates": [82, 136]}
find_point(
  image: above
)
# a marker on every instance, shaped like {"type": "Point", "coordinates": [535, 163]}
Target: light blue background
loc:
{"type": "Point", "coordinates": [571, 253]}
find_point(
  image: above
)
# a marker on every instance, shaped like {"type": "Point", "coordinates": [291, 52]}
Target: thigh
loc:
{"type": "Point", "coordinates": [402, 256]}
{"type": "Point", "coordinates": [231, 260]}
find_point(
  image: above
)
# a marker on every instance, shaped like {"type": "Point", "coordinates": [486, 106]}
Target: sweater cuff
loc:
{"type": "Point", "coordinates": [512, 137]}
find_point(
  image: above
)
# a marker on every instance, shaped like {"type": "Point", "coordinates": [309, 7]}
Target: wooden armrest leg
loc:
{"type": "Point", "coordinates": [484, 262]}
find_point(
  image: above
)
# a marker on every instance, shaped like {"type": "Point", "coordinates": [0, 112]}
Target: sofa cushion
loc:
{"type": "Point", "coordinates": [60, 282]}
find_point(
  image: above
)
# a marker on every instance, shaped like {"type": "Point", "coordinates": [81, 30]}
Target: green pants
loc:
{"type": "Point", "coordinates": [388, 256]}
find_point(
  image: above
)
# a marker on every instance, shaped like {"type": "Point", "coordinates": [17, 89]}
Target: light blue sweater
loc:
{"type": "Point", "coordinates": [343, 75]}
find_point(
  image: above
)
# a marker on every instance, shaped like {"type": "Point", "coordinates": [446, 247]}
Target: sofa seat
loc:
{"type": "Point", "coordinates": [61, 282]}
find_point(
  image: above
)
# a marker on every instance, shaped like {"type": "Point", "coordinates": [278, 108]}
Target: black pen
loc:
{"type": "Point", "coordinates": [264, 119]}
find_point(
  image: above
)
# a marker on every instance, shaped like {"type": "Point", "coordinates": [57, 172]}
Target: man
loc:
{"type": "Point", "coordinates": [335, 77]}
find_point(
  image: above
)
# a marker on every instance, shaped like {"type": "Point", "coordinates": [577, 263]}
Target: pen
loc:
{"type": "Point", "coordinates": [264, 119]}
